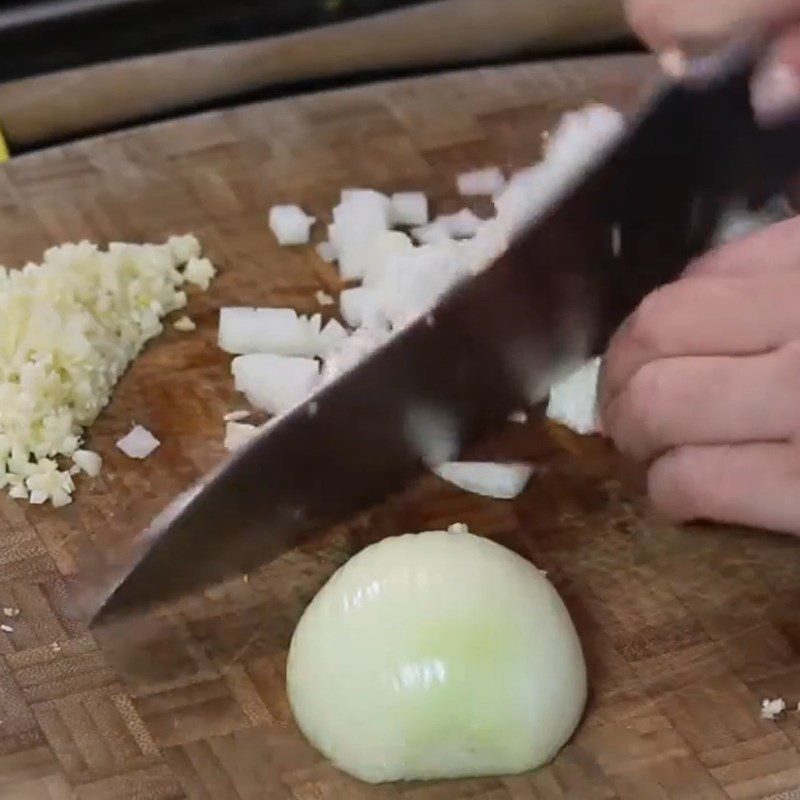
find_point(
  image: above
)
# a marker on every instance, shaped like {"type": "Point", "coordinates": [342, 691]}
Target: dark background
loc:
{"type": "Point", "coordinates": [47, 35]}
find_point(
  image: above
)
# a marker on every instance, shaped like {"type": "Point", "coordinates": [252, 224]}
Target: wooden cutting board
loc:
{"type": "Point", "coordinates": [685, 630]}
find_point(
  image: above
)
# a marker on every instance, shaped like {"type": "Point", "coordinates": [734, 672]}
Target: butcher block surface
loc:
{"type": "Point", "coordinates": [685, 630]}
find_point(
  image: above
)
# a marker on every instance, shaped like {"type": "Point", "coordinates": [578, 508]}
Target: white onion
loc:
{"type": "Point", "coordinates": [88, 461]}
{"type": "Point", "coordinates": [331, 337]}
{"type": "Point", "coordinates": [370, 261]}
{"type": "Point", "coordinates": [238, 434]}
{"type": "Point", "coordinates": [352, 351]}
{"type": "Point", "coordinates": [501, 481]}
{"type": "Point", "coordinates": [357, 220]}
{"type": "Point", "coordinates": [408, 208]}
{"type": "Point", "coordinates": [414, 281]}
{"type": "Point", "coordinates": [275, 383]}
{"type": "Point", "coordinates": [436, 655]}
{"type": "Point", "coordinates": [267, 330]}
{"type": "Point", "coordinates": [361, 306]}
{"type": "Point", "coordinates": [573, 400]}
{"type": "Point", "coordinates": [139, 443]}
{"type": "Point", "coordinates": [487, 181]}
{"type": "Point", "coordinates": [184, 324]}
{"type": "Point", "coordinates": [290, 224]}
{"type": "Point", "coordinates": [432, 233]}
{"type": "Point", "coordinates": [461, 225]}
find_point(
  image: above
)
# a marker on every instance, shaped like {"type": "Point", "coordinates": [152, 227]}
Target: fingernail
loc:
{"type": "Point", "coordinates": [775, 93]}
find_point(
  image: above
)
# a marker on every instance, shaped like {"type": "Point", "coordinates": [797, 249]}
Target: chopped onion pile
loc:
{"type": "Point", "coordinates": [69, 328]}
{"type": "Point", "coordinates": [436, 655]}
{"type": "Point", "coordinates": [400, 280]}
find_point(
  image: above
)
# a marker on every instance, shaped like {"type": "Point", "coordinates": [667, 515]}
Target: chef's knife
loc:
{"type": "Point", "coordinates": [630, 223]}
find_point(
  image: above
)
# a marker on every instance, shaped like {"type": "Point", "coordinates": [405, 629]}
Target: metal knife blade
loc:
{"type": "Point", "coordinates": [626, 226]}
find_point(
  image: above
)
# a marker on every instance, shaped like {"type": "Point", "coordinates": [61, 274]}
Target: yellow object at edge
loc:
{"type": "Point", "coordinates": [4, 154]}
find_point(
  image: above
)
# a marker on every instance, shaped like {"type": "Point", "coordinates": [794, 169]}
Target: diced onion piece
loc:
{"type": "Point", "coordinates": [409, 208]}
{"type": "Point", "coordinates": [577, 141]}
{"type": "Point", "coordinates": [139, 443]}
{"type": "Point", "coordinates": [382, 248]}
{"type": "Point", "coordinates": [361, 306]}
{"type": "Point", "coordinates": [290, 224]}
{"type": "Point", "coordinates": [236, 416]}
{"type": "Point", "coordinates": [357, 220]}
{"type": "Point", "coordinates": [450, 655]}
{"type": "Point", "coordinates": [331, 337]}
{"type": "Point", "coordinates": [88, 461]}
{"type": "Point", "coordinates": [323, 298]}
{"type": "Point", "coordinates": [414, 281]}
{"type": "Point", "coordinates": [573, 400]}
{"type": "Point", "coordinates": [352, 351]}
{"type": "Point", "coordinates": [461, 225]}
{"type": "Point", "coordinates": [488, 181]}
{"type": "Point", "coordinates": [367, 196]}
{"type": "Point", "coordinates": [432, 233]}
{"type": "Point", "coordinates": [275, 383]}
{"type": "Point", "coordinates": [266, 330]}
{"type": "Point", "coordinates": [518, 417]}
{"type": "Point", "coordinates": [238, 434]}
{"type": "Point", "coordinates": [184, 324]}
{"type": "Point", "coordinates": [183, 248]}
{"type": "Point", "coordinates": [501, 481]}
{"type": "Point", "coordinates": [199, 271]}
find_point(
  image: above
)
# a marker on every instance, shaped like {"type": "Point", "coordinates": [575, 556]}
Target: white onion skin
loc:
{"type": "Point", "coordinates": [436, 655]}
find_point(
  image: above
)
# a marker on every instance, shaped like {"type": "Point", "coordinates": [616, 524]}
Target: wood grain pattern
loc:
{"type": "Point", "coordinates": [685, 630]}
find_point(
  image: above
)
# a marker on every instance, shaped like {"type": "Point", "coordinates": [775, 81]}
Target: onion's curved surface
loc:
{"type": "Point", "coordinates": [436, 655]}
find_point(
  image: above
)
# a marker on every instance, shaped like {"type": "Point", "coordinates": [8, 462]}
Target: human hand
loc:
{"type": "Point", "coordinates": [677, 27]}
{"type": "Point", "coordinates": [703, 383]}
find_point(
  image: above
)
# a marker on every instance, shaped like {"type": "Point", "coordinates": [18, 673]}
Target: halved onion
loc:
{"type": "Point", "coordinates": [436, 655]}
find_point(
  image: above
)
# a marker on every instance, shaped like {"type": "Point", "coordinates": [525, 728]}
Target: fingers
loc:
{"type": "Point", "coordinates": [674, 402]}
{"type": "Point", "coordinates": [748, 484]}
{"type": "Point", "coordinates": [775, 249]}
{"type": "Point", "coordinates": [776, 84]}
{"type": "Point", "coordinates": [704, 316]}
{"type": "Point", "coordinates": [665, 24]}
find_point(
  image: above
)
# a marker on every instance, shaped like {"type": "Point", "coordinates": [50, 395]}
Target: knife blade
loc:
{"type": "Point", "coordinates": [628, 224]}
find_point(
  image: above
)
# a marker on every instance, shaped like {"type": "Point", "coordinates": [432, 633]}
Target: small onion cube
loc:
{"type": "Point", "coordinates": [238, 434]}
{"type": "Point", "coordinates": [331, 337]}
{"type": "Point", "coordinates": [88, 461]}
{"type": "Point", "coordinates": [462, 225]}
{"type": "Point", "coordinates": [409, 208]}
{"type": "Point", "coordinates": [488, 181]}
{"type": "Point", "coordinates": [275, 383]}
{"type": "Point", "coordinates": [501, 481]}
{"type": "Point", "coordinates": [361, 306]}
{"type": "Point", "coordinates": [139, 443]}
{"type": "Point", "coordinates": [266, 330]}
{"type": "Point", "coordinates": [573, 400]}
{"type": "Point", "coordinates": [431, 233]}
{"type": "Point", "coordinates": [290, 224]}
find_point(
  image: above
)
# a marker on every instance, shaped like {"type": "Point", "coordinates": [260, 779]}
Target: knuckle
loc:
{"type": "Point", "coordinates": [650, 319]}
{"type": "Point", "coordinates": [640, 412]}
{"type": "Point", "coordinates": [674, 486]}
